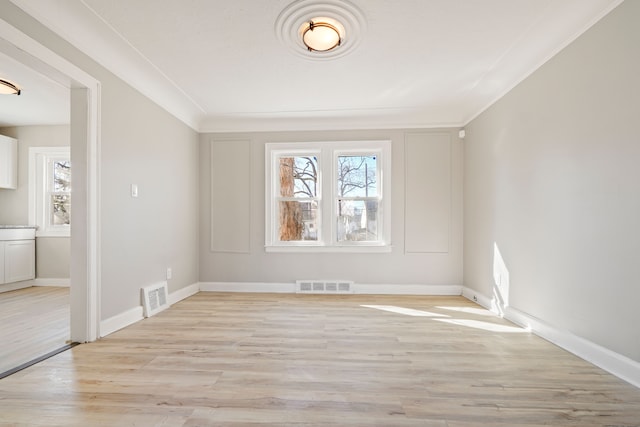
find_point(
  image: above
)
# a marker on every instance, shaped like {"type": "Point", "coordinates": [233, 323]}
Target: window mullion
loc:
{"type": "Point", "coordinates": [328, 203]}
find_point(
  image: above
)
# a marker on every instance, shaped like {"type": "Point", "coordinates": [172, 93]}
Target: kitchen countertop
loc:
{"type": "Point", "coordinates": [17, 226]}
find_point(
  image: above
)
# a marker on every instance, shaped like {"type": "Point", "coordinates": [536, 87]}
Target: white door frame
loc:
{"type": "Point", "coordinates": [85, 148]}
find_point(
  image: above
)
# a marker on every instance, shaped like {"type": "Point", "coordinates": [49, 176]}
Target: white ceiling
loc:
{"type": "Point", "coordinates": [219, 66]}
{"type": "Point", "coordinates": [43, 101]}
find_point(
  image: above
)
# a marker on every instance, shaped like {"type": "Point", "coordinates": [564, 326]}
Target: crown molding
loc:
{"type": "Point", "coordinates": [79, 25]}
{"type": "Point", "coordinates": [82, 27]}
{"type": "Point", "coordinates": [517, 65]}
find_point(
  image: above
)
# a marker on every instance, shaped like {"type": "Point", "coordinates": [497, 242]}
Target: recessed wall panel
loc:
{"type": "Point", "coordinates": [427, 192]}
{"type": "Point", "coordinates": [231, 196]}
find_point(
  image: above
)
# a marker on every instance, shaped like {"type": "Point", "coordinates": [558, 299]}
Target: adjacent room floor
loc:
{"type": "Point", "coordinates": [219, 359]}
{"type": "Point", "coordinates": [33, 322]}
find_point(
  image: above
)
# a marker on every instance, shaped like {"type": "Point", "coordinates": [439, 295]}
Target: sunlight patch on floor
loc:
{"type": "Point", "coordinates": [405, 311]}
{"type": "Point", "coordinates": [487, 326]}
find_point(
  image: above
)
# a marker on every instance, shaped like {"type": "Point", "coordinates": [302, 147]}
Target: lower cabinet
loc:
{"type": "Point", "coordinates": [18, 260]}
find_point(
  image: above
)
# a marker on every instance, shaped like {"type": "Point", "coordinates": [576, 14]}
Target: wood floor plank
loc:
{"type": "Point", "coordinates": [220, 359]}
{"type": "Point", "coordinates": [33, 322]}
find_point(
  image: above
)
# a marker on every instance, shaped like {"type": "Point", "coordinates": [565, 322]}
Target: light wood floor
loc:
{"type": "Point", "coordinates": [33, 322]}
{"type": "Point", "coordinates": [291, 360]}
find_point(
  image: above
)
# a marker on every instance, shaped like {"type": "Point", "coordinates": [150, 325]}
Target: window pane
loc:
{"type": "Point", "coordinates": [357, 220]}
{"type": "Point", "coordinates": [62, 176]}
{"type": "Point", "coordinates": [357, 176]}
{"type": "Point", "coordinates": [61, 209]}
{"type": "Point", "coordinates": [299, 176]}
{"type": "Point", "coordinates": [298, 220]}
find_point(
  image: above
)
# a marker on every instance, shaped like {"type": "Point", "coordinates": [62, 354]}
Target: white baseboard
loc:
{"type": "Point", "coordinates": [8, 287]}
{"type": "Point", "coordinates": [64, 282]}
{"type": "Point", "coordinates": [359, 288]}
{"type": "Point", "coordinates": [119, 321]}
{"type": "Point", "coordinates": [612, 362]}
{"type": "Point", "coordinates": [135, 314]}
{"type": "Point", "coordinates": [183, 293]}
{"type": "Point", "coordinates": [476, 297]}
{"type": "Point", "coordinates": [278, 288]}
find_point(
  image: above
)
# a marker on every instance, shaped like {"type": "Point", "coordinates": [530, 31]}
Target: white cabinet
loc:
{"type": "Point", "coordinates": [17, 255]}
{"type": "Point", "coordinates": [8, 162]}
{"type": "Point", "coordinates": [19, 260]}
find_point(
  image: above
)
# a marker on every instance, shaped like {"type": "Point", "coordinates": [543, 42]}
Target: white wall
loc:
{"type": "Point", "coordinates": [143, 144]}
{"type": "Point", "coordinates": [52, 253]}
{"type": "Point", "coordinates": [552, 181]}
{"type": "Point", "coordinates": [431, 256]}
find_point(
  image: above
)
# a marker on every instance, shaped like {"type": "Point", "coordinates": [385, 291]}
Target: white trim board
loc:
{"type": "Point", "coordinates": [183, 293]}
{"type": "Point", "coordinates": [250, 287]}
{"type": "Point", "coordinates": [478, 298]}
{"type": "Point", "coordinates": [135, 314]}
{"type": "Point", "coordinates": [63, 282]}
{"type": "Point", "coordinates": [119, 321]}
{"type": "Point", "coordinates": [612, 362]}
{"type": "Point", "coordinates": [359, 288]}
{"type": "Point", "coordinates": [8, 287]}
{"type": "Point", "coordinates": [410, 289]}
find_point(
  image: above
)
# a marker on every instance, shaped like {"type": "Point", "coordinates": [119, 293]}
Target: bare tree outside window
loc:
{"type": "Point", "coordinates": [357, 198]}
{"type": "Point", "coordinates": [357, 176]}
{"type": "Point", "coordinates": [61, 193]}
{"type": "Point", "coordinates": [298, 198]}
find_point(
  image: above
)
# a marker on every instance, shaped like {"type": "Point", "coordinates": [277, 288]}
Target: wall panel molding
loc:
{"type": "Point", "coordinates": [428, 192]}
{"type": "Point", "coordinates": [231, 196]}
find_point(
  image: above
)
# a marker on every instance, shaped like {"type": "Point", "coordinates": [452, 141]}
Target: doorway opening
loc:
{"type": "Point", "coordinates": [85, 156]}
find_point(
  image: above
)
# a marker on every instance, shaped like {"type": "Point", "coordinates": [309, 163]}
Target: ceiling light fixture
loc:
{"type": "Point", "coordinates": [320, 36]}
{"type": "Point", "coordinates": [321, 30]}
{"type": "Point", "coordinates": [8, 88]}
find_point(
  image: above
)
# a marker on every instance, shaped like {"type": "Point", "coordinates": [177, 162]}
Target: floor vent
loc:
{"type": "Point", "coordinates": [324, 286]}
{"type": "Point", "coordinates": [155, 298]}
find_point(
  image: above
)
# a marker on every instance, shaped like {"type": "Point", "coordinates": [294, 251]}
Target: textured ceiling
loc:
{"type": "Point", "coordinates": [219, 66]}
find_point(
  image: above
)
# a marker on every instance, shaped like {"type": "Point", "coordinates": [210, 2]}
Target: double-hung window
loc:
{"type": "Point", "coordinates": [50, 190]}
{"type": "Point", "coordinates": [328, 196]}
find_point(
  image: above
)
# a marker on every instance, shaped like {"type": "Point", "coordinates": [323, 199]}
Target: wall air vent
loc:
{"type": "Point", "coordinates": [155, 298]}
{"type": "Point", "coordinates": [324, 286]}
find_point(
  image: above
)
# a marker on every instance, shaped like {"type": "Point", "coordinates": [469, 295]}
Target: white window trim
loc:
{"type": "Point", "coordinates": [39, 157]}
{"type": "Point", "coordinates": [328, 153]}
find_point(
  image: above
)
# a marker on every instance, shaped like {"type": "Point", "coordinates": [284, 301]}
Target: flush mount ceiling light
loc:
{"type": "Point", "coordinates": [321, 34]}
{"type": "Point", "coordinates": [320, 29]}
{"type": "Point", "coordinates": [8, 88]}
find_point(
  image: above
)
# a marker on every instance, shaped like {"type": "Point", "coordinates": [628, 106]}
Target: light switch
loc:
{"type": "Point", "coordinates": [134, 190]}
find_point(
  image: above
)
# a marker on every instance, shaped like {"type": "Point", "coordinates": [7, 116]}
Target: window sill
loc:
{"type": "Point", "coordinates": [355, 249]}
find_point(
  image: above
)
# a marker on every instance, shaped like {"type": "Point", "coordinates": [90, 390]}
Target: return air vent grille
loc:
{"type": "Point", "coordinates": [155, 298]}
{"type": "Point", "coordinates": [324, 286]}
